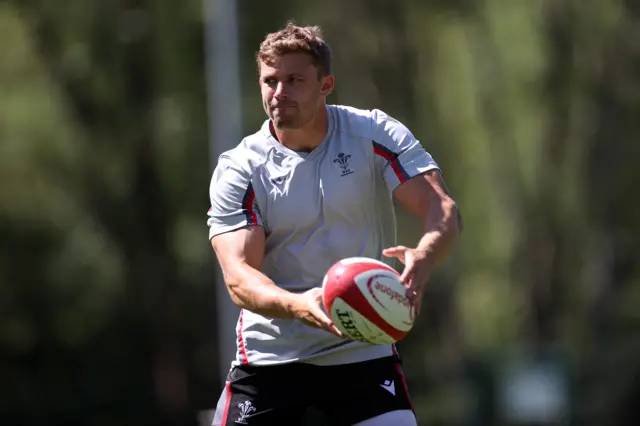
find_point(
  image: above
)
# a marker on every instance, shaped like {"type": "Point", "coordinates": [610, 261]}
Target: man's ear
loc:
{"type": "Point", "coordinates": [327, 86]}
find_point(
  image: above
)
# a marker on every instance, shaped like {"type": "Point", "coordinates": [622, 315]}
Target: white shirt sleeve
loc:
{"type": "Point", "coordinates": [233, 204]}
{"type": "Point", "coordinates": [398, 153]}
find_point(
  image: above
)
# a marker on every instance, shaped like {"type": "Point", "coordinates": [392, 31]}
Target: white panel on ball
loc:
{"type": "Point", "coordinates": [355, 326]}
{"type": "Point", "coordinates": [387, 295]}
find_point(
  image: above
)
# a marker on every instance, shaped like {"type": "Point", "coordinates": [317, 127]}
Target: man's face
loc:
{"type": "Point", "coordinates": [291, 90]}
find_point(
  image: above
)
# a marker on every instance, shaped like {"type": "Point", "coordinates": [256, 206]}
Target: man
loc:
{"type": "Point", "coordinates": [315, 185]}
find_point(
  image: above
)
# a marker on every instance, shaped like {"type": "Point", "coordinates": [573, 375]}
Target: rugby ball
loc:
{"type": "Point", "coordinates": [367, 301]}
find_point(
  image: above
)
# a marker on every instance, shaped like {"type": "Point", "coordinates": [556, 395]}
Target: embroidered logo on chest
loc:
{"type": "Point", "coordinates": [344, 162]}
{"type": "Point", "coordinates": [278, 185]}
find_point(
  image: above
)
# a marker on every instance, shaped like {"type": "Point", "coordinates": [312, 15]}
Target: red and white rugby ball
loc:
{"type": "Point", "coordinates": [367, 301]}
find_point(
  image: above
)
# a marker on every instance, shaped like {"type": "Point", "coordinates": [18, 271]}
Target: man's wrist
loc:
{"type": "Point", "coordinates": [292, 304]}
{"type": "Point", "coordinates": [425, 251]}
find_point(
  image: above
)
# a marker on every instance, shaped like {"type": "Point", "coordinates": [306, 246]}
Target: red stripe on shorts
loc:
{"type": "Point", "coordinates": [225, 416]}
{"type": "Point", "coordinates": [404, 384]}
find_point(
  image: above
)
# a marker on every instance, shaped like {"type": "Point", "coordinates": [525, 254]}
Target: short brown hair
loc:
{"type": "Point", "coordinates": [293, 39]}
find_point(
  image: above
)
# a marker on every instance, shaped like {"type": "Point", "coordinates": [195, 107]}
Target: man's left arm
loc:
{"type": "Point", "coordinates": [427, 197]}
{"type": "Point", "coordinates": [416, 182]}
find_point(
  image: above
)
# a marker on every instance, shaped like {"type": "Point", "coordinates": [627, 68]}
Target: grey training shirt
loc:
{"type": "Point", "coordinates": [317, 208]}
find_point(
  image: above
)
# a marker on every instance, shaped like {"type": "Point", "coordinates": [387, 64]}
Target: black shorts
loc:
{"type": "Point", "coordinates": [280, 395]}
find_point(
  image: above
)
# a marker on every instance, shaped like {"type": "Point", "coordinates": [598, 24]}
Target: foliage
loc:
{"type": "Point", "coordinates": [106, 275]}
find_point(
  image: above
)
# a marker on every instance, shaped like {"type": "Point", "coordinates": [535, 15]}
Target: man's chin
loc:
{"type": "Point", "coordinates": [281, 124]}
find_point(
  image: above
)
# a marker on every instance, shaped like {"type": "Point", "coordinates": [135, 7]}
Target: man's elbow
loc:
{"type": "Point", "coordinates": [459, 224]}
{"type": "Point", "coordinates": [452, 211]}
{"type": "Point", "coordinates": [235, 287]}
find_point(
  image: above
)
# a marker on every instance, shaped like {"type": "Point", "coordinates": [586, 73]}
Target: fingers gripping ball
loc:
{"type": "Point", "coordinates": [367, 301]}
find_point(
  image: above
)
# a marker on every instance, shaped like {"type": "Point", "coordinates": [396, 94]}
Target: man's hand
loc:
{"type": "Point", "coordinates": [416, 273]}
{"type": "Point", "coordinates": [309, 310]}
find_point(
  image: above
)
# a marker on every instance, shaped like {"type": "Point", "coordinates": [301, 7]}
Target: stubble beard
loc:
{"type": "Point", "coordinates": [287, 122]}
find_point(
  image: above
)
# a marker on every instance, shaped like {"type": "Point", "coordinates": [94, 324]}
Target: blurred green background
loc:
{"type": "Point", "coordinates": [107, 280]}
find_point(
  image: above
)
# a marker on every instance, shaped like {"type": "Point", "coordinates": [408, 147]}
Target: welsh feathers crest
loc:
{"type": "Point", "coordinates": [343, 160]}
{"type": "Point", "coordinates": [246, 408]}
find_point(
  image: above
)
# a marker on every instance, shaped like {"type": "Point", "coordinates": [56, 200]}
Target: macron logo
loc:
{"type": "Point", "coordinates": [389, 386]}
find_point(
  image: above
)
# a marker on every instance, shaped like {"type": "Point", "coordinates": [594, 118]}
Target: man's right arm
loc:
{"type": "Point", "coordinates": [237, 236]}
{"type": "Point", "coordinates": [240, 254]}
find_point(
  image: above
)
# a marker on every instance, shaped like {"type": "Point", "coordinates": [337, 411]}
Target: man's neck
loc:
{"type": "Point", "coordinates": [308, 137]}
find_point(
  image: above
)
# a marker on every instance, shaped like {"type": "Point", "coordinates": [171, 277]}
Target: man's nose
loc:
{"type": "Point", "coordinates": [280, 92]}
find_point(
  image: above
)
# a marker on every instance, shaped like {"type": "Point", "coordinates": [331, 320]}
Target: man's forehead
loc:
{"type": "Point", "coordinates": [288, 64]}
